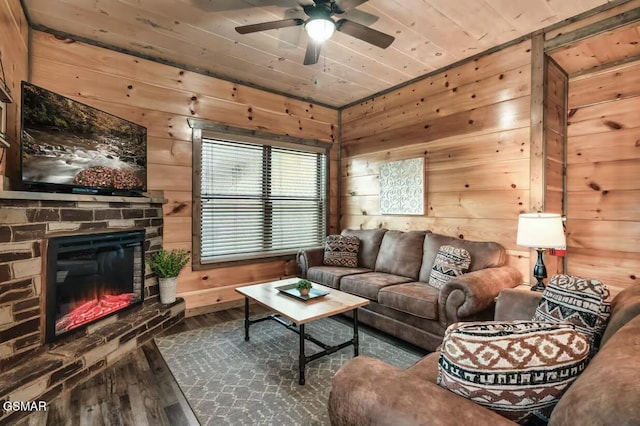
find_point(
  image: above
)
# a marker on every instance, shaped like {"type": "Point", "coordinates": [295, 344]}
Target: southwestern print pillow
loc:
{"type": "Point", "coordinates": [449, 263]}
{"type": "Point", "coordinates": [578, 301]}
{"type": "Point", "coordinates": [341, 250]}
{"type": "Point", "coordinates": [519, 369]}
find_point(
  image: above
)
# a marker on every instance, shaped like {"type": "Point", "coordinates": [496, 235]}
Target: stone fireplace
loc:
{"type": "Point", "coordinates": [90, 250]}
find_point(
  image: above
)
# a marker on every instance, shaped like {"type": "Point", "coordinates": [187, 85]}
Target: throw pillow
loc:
{"type": "Point", "coordinates": [449, 263]}
{"type": "Point", "coordinates": [578, 301]}
{"type": "Point", "coordinates": [519, 369]}
{"type": "Point", "coordinates": [341, 250]}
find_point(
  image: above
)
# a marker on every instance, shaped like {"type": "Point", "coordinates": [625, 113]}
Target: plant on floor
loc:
{"type": "Point", "coordinates": [167, 265]}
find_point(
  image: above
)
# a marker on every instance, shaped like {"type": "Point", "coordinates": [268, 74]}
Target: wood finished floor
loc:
{"type": "Point", "coordinates": [139, 389]}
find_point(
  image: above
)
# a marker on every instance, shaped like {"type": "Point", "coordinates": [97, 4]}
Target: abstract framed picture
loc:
{"type": "Point", "coordinates": [402, 186]}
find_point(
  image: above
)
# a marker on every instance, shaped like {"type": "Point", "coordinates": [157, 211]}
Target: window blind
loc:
{"type": "Point", "coordinates": [260, 200]}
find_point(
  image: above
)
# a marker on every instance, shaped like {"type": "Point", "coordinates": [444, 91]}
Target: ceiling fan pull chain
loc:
{"type": "Point", "coordinates": [324, 61]}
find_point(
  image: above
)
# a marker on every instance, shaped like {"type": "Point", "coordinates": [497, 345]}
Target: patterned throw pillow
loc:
{"type": "Point", "coordinates": [519, 369]}
{"type": "Point", "coordinates": [449, 263]}
{"type": "Point", "coordinates": [578, 301]}
{"type": "Point", "coordinates": [341, 250]}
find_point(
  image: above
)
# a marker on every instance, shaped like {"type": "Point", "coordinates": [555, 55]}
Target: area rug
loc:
{"type": "Point", "coordinates": [228, 381]}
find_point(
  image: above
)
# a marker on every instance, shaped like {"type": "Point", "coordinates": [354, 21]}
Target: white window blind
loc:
{"type": "Point", "coordinates": [260, 200]}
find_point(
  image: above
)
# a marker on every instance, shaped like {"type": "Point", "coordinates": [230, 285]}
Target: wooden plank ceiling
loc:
{"type": "Point", "coordinates": [199, 35]}
{"type": "Point", "coordinates": [615, 46]}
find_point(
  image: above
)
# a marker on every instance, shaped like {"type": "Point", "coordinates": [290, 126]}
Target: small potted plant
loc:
{"type": "Point", "coordinates": [167, 265]}
{"type": "Point", "coordinates": [304, 286]}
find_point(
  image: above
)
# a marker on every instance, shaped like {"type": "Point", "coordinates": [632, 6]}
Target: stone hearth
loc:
{"type": "Point", "coordinates": [29, 368]}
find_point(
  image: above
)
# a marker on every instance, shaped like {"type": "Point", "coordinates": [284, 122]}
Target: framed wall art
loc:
{"type": "Point", "coordinates": [402, 185]}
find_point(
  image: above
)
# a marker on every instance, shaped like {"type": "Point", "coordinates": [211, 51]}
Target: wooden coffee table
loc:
{"type": "Point", "coordinates": [300, 312]}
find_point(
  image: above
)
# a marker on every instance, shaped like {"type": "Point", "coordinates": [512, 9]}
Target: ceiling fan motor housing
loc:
{"type": "Point", "coordinates": [321, 9]}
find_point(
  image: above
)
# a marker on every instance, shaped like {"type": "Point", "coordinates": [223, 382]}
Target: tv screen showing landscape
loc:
{"type": "Point", "coordinates": [67, 144]}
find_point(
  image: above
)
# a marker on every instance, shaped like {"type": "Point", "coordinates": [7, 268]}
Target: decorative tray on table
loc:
{"type": "Point", "coordinates": [292, 291]}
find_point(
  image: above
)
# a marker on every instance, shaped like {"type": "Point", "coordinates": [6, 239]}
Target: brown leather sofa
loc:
{"type": "Point", "coordinates": [392, 272]}
{"type": "Point", "coordinates": [366, 391]}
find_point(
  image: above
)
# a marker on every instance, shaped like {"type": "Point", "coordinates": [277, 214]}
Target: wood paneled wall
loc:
{"type": "Point", "coordinates": [14, 48]}
{"type": "Point", "coordinates": [161, 98]}
{"type": "Point", "coordinates": [472, 125]}
{"type": "Point", "coordinates": [603, 176]}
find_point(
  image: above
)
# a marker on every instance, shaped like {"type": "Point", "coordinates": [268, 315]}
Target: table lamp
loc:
{"type": "Point", "coordinates": [540, 231]}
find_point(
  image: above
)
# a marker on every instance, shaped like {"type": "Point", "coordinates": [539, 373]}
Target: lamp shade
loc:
{"type": "Point", "coordinates": [541, 230]}
{"type": "Point", "coordinates": [320, 29]}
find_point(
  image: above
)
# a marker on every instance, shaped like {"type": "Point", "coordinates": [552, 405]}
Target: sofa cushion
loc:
{"type": "Point", "coordinates": [624, 307]}
{"type": "Point", "coordinates": [427, 367]}
{"type": "Point", "coordinates": [515, 304]}
{"type": "Point", "coordinates": [607, 392]}
{"type": "Point", "coordinates": [519, 369]}
{"type": "Point", "coordinates": [483, 254]}
{"type": "Point", "coordinates": [368, 284]}
{"type": "Point", "coordinates": [341, 250]}
{"type": "Point", "coordinates": [450, 262]}
{"type": "Point", "coordinates": [401, 253]}
{"type": "Point", "coordinates": [331, 275]}
{"type": "Point", "coordinates": [370, 240]}
{"type": "Point", "coordinates": [412, 298]}
{"type": "Point", "coordinates": [578, 301]}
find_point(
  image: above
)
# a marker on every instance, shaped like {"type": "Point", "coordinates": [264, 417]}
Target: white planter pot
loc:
{"type": "Point", "coordinates": [168, 289]}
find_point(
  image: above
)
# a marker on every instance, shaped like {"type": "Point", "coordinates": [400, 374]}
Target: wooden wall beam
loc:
{"type": "Point", "coordinates": [338, 180]}
{"type": "Point", "coordinates": [555, 109]}
{"type": "Point", "coordinates": [548, 134]}
{"type": "Point", "coordinates": [537, 145]}
{"type": "Point", "coordinates": [595, 28]}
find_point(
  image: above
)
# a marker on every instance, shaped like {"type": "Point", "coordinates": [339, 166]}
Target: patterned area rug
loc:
{"type": "Point", "coordinates": [228, 381]}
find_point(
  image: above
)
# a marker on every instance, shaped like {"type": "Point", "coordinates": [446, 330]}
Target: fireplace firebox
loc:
{"type": "Point", "coordinates": [90, 277]}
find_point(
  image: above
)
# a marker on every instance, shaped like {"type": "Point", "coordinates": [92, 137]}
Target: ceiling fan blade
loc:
{"type": "Point", "coordinates": [246, 29]}
{"type": "Point", "coordinates": [346, 5]}
{"type": "Point", "coordinates": [290, 38]}
{"type": "Point", "coordinates": [361, 17]}
{"type": "Point", "coordinates": [364, 33]}
{"type": "Point", "coordinates": [313, 53]}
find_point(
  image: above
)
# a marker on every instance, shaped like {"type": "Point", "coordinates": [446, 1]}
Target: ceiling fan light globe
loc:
{"type": "Point", "coordinates": [320, 29]}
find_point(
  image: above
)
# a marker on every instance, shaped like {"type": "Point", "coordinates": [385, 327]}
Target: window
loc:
{"type": "Point", "coordinates": [259, 200]}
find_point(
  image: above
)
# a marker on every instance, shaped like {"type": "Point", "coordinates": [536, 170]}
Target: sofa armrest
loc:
{"type": "Point", "coordinates": [367, 391]}
{"type": "Point", "coordinates": [307, 258]}
{"type": "Point", "coordinates": [513, 304]}
{"type": "Point", "coordinates": [472, 293]}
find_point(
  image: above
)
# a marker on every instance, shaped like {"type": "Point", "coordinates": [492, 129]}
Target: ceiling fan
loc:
{"type": "Point", "coordinates": [320, 26]}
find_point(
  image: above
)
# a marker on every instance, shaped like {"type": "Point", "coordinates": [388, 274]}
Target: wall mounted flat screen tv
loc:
{"type": "Point", "coordinates": [68, 146]}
